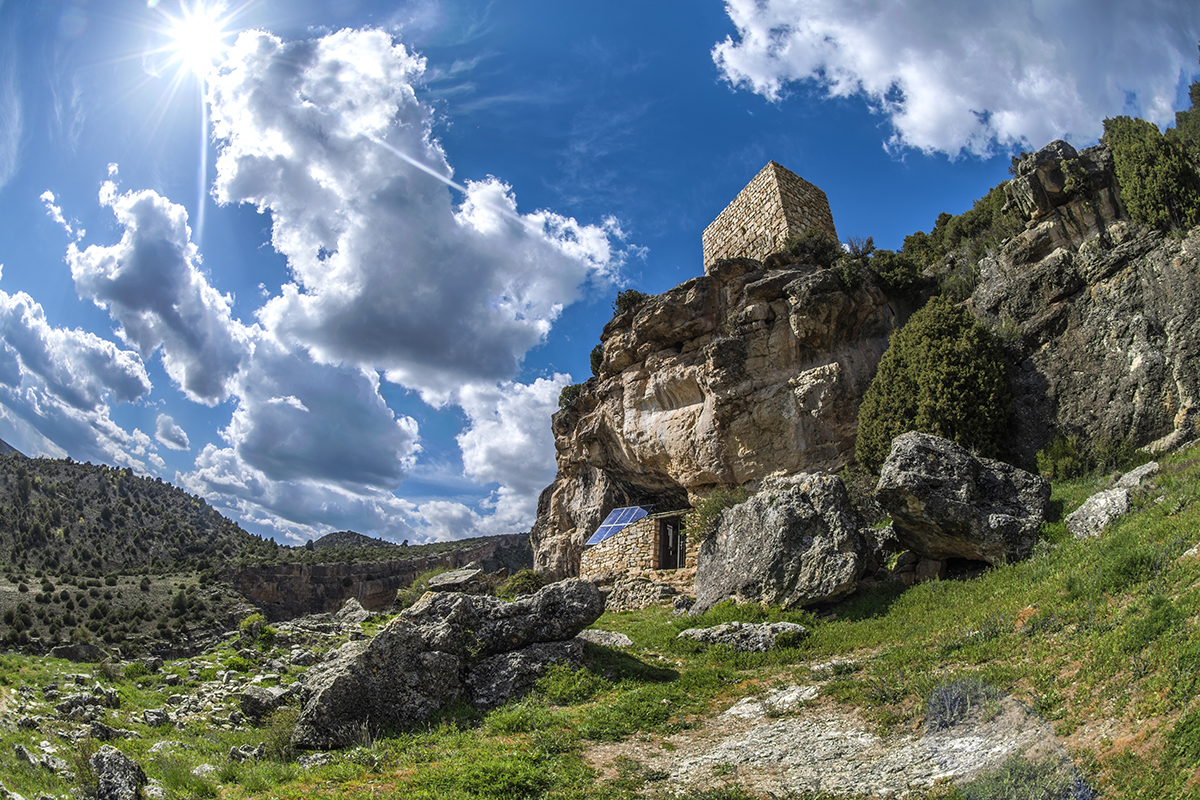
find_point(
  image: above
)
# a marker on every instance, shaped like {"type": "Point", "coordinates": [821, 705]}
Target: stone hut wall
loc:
{"type": "Point", "coordinates": [776, 205]}
{"type": "Point", "coordinates": [633, 549]}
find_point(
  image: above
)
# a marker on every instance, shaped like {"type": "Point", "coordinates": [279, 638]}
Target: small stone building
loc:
{"type": "Point", "coordinates": [634, 539]}
{"type": "Point", "coordinates": [776, 205]}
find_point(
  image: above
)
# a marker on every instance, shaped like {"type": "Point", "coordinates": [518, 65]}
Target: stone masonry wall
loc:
{"type": "Point", "coordinates": [633, 549]}
{"type": "Point", "coordinates": [774, 206]}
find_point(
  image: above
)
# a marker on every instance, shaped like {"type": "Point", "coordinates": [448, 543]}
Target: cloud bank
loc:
{"type": "Point", "coordinates": [974, 77]}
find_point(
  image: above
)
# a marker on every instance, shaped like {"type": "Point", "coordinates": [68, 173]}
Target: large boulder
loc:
{"type": "Point", "coordinates": [797, 542]}
{"type": "Point", "coordinates": [444, 648]}
{"type": "Point", "coordinates": [947, 503]}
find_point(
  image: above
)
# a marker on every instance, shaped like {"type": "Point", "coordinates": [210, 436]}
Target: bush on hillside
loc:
{"type": "Point", "coordinates": [569, 393]}
{"type": "Point", "coordinates": [814, 246]}
{"type": "Point", "coordinates": [1159, 186]}
{"type": "Point", "coordinates": [628, 300]}
{"type": "Point", "coordinates": [942, 374]}
{"type": "Point", "coordinates": [701, 521]}
{"type": "Point", "coordinates": [525, 581]}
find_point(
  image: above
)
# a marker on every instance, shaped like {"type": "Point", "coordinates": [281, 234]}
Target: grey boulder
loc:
{"type": "Point", "coordinates": [797, 542]}
{"type": "Point", "coordinates": [439, 651]}
{"type": "Point", "coordinates": [947, 503]}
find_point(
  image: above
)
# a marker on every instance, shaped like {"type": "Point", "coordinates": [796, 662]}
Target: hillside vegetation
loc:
{"type": "Point", "coordinates": [1100, 637]}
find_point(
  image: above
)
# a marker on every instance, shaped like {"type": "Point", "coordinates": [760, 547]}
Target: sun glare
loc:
{"type": "Point", "coordinates": [198, 37]}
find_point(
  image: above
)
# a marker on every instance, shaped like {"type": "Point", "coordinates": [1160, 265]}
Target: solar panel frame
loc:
{"type": "Point", "coordinates": [617, 520]}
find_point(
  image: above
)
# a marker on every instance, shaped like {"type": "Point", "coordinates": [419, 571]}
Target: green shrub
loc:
{"type": "Point", "coordinates": [628, 300]}
{"type": "Point", "coordinates": [569, 393]}
{"type": "Point", "coordinates": [942, 374]}
{"type": "Point", "coordinates": [814, 246]}
{"type": "Point", "coordinates": [1025, 778]}
{"type": "Point", "coordinates": [1159, 187]}
{"type": "Point", "coordinates": [276, 733]}
{"type": "Point", "coordinates": [526, 581]}
{"type": "Point", "coordinates": [950, 703]}
{"type": "Point", "coordinates": [701, 521]}
{"type": "Point", "coordinates": [596, 359]}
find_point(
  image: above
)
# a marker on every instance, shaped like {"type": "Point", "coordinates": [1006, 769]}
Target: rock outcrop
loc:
{"type": "Point", "coordinates": [726, 379]}
{"type": "Point", "coordinates": [287, 591]}
{"type": "Point", "coordinates": [947, 503]}
{"type": "Point", "coordinates": [796, 543]}
{"type": "Point", "coordinates": [445, 648]}
{"type": "Point", "coordinates": [1100, 313]}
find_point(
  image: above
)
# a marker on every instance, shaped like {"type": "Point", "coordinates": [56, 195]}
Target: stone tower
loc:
{"type": "Point", "coordinates": [775, 206]}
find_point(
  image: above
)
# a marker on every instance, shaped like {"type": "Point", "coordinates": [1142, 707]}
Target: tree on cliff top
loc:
{"type": "Point", "coordinates": [942, 374]}
{"type": "Point", "coordinates": [1159, 186]}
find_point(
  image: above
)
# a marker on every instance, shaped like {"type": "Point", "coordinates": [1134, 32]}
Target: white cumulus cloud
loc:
{"type": "Point", "coordinates": [151, 283]}
{"type": "Point", "coordinates": [169, 434]}
{"type": "Point", "coordinates": [388, 272]}
{"type": "Point", "coordinates": [954, 76]}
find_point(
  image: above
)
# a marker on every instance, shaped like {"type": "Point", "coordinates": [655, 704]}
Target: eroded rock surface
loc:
{"type": "Point", "coordinates": [947, 503]}
{"type": "Point", "coordinates": [1099, 312]}
{"type": "Point", "coordinates": [445, 648]}
{"type": "Point", "coordinates": [730, 377]}
{"type": "Point", "coordinates": [797, 542]}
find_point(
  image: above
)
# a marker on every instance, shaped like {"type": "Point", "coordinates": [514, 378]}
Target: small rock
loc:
{"type": "Point", "coordinates": [25, 755]}
{"type": "Point", "coordinates": [118, 776]}
{"type": "Point", "coordinates": [315, 760]}
{"type": "Point", "coordinates": [1134, 478]}
{"type": "Point", "coordinates": [31, 723]}
{"type": "Point", "coordinates": [605, 638]}
{"type": "Point", "coordinates": [1097, 512]}
{"type": "Point", "coordinates": [155, 717]}
{"type": "Point", "coordinates": [204, 770]}
{"type": "Point", "coordinates": [245, 752]}
{"type": "Point", "coordinates": [745, 637]}
{"type": "Point", "coordinates": [5, 794]}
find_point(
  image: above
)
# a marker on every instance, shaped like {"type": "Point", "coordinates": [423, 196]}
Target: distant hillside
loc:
{"type": "Point", "coordinates": [350, 539]}
{"type": "Point", "coordinates": [7, 449]}
{"type": "Point", "coordinates": [68, 518]}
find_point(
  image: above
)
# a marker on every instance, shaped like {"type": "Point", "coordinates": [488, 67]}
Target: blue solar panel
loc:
{"type": "Point", "coordinates": [617, 519]}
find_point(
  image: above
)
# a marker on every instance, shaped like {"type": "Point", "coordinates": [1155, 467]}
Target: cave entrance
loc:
{"type": "Point", "coordinates": [672, 543]}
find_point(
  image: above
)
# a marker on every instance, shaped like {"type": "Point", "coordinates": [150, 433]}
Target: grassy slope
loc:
{"type": "Point", "coordinates": [1101, 631]}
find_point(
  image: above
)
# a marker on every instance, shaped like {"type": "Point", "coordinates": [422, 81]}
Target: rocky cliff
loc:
{"type": "Point", "coordinates": [750, 371]}
{"type": "Point", "coordinates": [1102, 315]}
{"type": "Point", "coordinates": [285, 591]}
{"type": "Point", "coordinates": [731, 377]}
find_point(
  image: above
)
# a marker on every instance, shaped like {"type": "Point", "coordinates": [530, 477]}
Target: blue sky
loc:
{"type": "Point", "coordinates": [330, 263]}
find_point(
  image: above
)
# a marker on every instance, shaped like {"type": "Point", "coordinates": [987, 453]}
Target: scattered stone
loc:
{"type": "Point", "coordinates": [154, 791]}
{"type": "Point", "coordinates": [352, 613]}
{"type": "Point", "coordinates": [176, 699]}
{"type": "Point", "coordinates": [469, 581]}
{"type": "Point", "coordinates": [245, 752]}
{"type": "Point", "coordinates": [795, 543]}
{"type": "Point", "coordinates": [315, 760]}
{"type": "Point", "coordinates": [56, 765]}
{"type": "Point", "coordinates": [947, 503]}
{"type": "Point", "coordinates": [118, 776]}
{"type": "Point", "coordinates": [171, 679]}
{"type": "Point", "coordinates": [604, 638]}
{"type": "Point", "coordinates": [25, 755]}
{"type": "Point", "coordinates": [1133, 479]}
{"type": "Point", "coordinates": [79, 653]}
{"type": "Point", "coordinates": [745, 637]}
{"type": "Point", "coordinates": [165, 745]}
{"type": "Point", "coordinates": [6, 794]}
{"type": "Point", "coordinates": [30, 723]}
{"type": "Point", "coordinates": [432, 654]}
{"type": "Point", "coordinates": [154, 717]}
{"type": "Point", "coordinates": [257, 702]}
{"type": "Point", "coordinates": [204, 770]}
{"type": "Point", "coordinates": [106, 733]}
{"type": "Point", "coordinates": [303, 658]}
{"type": "Point", "coordinates": [1091, 518]}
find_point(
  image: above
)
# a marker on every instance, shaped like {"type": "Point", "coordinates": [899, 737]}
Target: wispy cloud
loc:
{"type": "Point", "coordinates": [12, 113]}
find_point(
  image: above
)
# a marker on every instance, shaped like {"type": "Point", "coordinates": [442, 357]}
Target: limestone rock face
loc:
{"type": "Point", "coordinates": [1099, 313]}
{"type": "Point", "coordinates": [795, 543]}
{"type": "Point", "coordinates": [726, 379]}
{"type": "Point", "coordinates": [446, 647]}
{"type": "Point", "coordinates": [946, 503]}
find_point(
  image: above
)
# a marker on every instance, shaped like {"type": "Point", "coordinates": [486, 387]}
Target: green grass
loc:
{"type": "Point", "coordinates": [1092, 633]}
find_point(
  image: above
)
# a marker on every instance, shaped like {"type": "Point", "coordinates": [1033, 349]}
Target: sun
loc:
{"type": "Point", "coordinates": [198, 37]}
